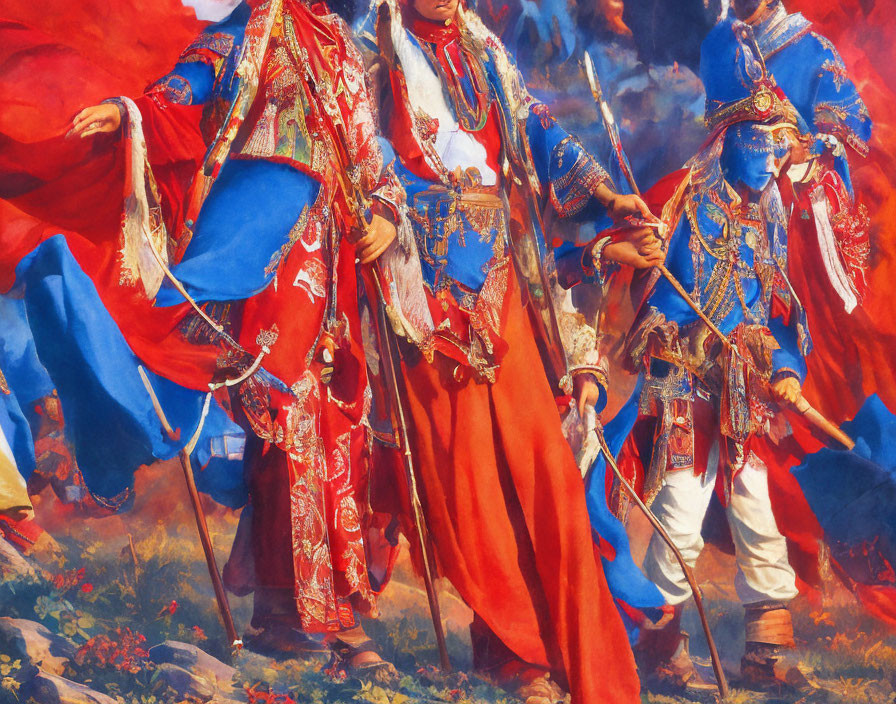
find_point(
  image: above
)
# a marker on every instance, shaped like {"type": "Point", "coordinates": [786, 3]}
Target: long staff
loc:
{"type": "Point", "coordinates": [358, 203]}
{"type": "Point", "coordinates": [392, 370]}
{"type": "Point", "coordinates": [616, 142]}
{"type": "Point", "coordinates": [802, 406]}
{"type": "Point", "coordinates": [201, 524]}
{"type": "Point", "coordinates": [721, 680]}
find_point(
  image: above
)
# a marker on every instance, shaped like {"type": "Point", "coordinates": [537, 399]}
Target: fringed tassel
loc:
{"type": "Point", "coordinates": [141, 233]}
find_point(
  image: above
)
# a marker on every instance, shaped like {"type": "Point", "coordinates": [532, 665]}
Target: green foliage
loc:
{"type": "Point", "coordinates": [114, 606]}
{"type": "Point", "coordinates": [9, 684]}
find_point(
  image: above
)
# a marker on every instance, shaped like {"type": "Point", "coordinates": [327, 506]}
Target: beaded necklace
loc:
{"type": "Point", "coordinates": [471, 117]}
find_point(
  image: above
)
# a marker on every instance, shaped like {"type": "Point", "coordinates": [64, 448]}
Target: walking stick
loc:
{"type": "Point", "coordinates": [392, 370]}
{"type": "Point", "coordinates": [802, 405]}
{"type": "Point", "coordinates": [359, 204]}
{"type": "Point", "coordinates": [202, 526]}
{"type": "Point", "coordinates": [721, 680]}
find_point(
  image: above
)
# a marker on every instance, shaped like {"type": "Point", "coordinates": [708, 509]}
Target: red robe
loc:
{"type": "Point", "coordinates": [505, 505]}
{"type": "Point", "coordinates": [310, 461]}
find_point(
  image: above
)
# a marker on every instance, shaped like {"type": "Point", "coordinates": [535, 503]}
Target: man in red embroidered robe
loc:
{"type": "Point", "coordinates": [258, 147]}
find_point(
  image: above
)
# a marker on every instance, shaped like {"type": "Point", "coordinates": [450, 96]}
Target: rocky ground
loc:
{"type": "Point", "coordinates": [120, 609]}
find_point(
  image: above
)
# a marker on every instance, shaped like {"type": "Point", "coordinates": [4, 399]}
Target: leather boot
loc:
{"type": "Point", "coordinates": [276, 631]}
{"type": "Point", "coordinates": [664, 659]}
{"type": "Point", "coordinates": [769, 660]}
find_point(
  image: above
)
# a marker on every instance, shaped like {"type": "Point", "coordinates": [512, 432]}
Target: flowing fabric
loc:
{"type": "Point", "coordinates": [859, 518]}
{"type": "Point", "coordinates": [481, 486]}
{"type": "Point", "coordinates": [96, 375]}
{"type": "Point", "coordinates": [852, 357]}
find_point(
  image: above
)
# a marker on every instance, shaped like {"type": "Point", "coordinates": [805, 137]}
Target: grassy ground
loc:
{"type": "Point", "coordinates": [114, 602]}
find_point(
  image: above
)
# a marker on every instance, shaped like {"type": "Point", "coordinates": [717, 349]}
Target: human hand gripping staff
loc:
{"type": "Point", "coordinates": [370, 247]}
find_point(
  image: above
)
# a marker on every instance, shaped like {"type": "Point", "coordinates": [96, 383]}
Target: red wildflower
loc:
{"type": "Point", "coordinates": [172, 607]}
{"type": "Point", "coordinates": [199, 633]}
{"type": "Point", "coordinates": [87, 587]}
{"type": "Point", "coordinates": [67, 580]}
{"type": "Point", "coordinates": [120, 649]}
{"type": "Point", "coordinates": [261, 694]}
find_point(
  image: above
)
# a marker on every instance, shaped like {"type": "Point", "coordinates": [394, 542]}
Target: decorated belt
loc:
{"type": "Point", "coordinates": [442, 202]}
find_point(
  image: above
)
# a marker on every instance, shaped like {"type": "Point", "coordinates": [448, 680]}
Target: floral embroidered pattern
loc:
{"type": "Point", "coordinates": [837, 70]}
{"type": "Point", "coordinates": [544, 114]}
{"type": "Point", "coordinates": [173, 89]}
{"type": "Point", "coordinates": [210, 46]}
{"type": "Point", "coordinates": [573, 188]}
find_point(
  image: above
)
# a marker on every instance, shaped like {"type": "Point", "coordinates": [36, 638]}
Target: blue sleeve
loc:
{"type": "Point", "coordinates": [816, 81]}
{"type": "Point", "coordinates": [187, 84]}
{"type": "Point", "coordinates": [572, 266]}
{"type": "Point", "coordinates": [204, 65]}
{"type": "Point", "coordinates": [838, 108]}
{"type": "Point", "coordinates": [566, 171]}
{"type": "Point", "coordinates": [788, 358]}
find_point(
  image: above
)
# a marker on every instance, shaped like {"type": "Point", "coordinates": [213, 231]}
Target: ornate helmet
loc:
{"type": "Point", "coordinates": [738, 86]}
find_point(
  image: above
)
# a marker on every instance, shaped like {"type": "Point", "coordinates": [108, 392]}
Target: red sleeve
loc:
{"type": "Point", "coordinates": [175, 151]}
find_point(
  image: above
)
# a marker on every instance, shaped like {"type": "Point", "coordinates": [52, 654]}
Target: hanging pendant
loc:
{"type": "Point", "coordinates": [263, 141]}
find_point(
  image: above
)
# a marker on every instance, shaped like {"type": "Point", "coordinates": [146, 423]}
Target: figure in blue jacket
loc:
{"type": "Point", "coordinates": [711, 406]}
{"type": "Point", "coordinates": [837, 128]}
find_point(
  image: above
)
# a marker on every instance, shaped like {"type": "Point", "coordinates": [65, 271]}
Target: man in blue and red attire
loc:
{"type": "Point", "coordinates": [719, 420]}
{"type": "Point", "coordinates": [839, 245]}
{"type": "Point", "coordinates": [838, 129]}
{"type": "Point", "coordinates": [484, 358]}
{"type": "Point", "coordinates": [233, 267]}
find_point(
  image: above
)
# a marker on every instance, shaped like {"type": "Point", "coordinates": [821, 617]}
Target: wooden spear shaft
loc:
{"type": "Point", "coordinates": [802, 405]}
{"type": "Point", "coordinates": [208, 549]}
{"type": "Point", "coordinates": [392, 369]}
{"type": "Point", "coordinates": [359, 203]}
{"type": "Point", "coordinates": [201, 523]}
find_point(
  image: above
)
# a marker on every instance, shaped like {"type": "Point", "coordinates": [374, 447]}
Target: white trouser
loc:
{"type": "Point", "coordinates": [763, 571]}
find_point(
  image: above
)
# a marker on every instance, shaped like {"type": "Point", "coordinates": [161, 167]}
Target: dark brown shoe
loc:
{"type": "Point", "coordinates": [769, 661]}
{"type": "Point", "coordinates": [677, 673]}
{"type": "Point", "coordinates": [362, 662]}
{"type": "Point", "coordinates": [765, 668]}
{"type": "Point", "coordinates": [283, 642]}
{"type": "Point", "coordinates": [664, 659]}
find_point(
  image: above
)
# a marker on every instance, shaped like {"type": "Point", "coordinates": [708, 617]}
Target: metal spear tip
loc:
{"type": "Point", "coordinates": [589, 73]}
